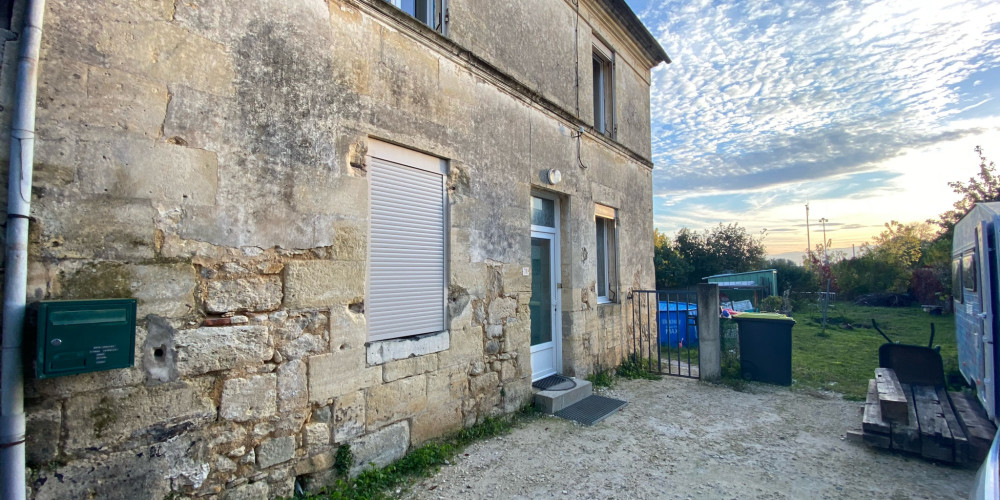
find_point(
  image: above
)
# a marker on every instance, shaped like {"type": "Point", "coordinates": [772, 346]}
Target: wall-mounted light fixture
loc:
{"type": "Point", "coordinates": [554, 176]}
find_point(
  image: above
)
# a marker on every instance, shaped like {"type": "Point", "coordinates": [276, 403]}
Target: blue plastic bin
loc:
{"type": "Point", "coordinates": [678, 323]}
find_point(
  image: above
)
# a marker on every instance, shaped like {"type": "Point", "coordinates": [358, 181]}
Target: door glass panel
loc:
{"type": "Point", "coordinates": [543, 212]}
{"type": "Point", "coordinates": [540, 305]}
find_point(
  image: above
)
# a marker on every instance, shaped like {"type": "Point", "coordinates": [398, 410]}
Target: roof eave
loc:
{"type": "Point", "coordinates": [631, 22]}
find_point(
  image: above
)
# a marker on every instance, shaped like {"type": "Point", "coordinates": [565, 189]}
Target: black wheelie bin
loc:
{"type": "Point", "coordinates": [766, 347]}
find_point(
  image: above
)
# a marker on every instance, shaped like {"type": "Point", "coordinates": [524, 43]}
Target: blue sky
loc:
{"type": "Point", "coordinates": [863, 109]}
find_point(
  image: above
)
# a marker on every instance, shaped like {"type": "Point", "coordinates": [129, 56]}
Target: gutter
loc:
{"type": "Point", "coordinates": [22, 152]}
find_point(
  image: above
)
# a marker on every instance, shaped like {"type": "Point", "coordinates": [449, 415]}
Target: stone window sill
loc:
{"type": "Point", "coordinates": [384, 351]}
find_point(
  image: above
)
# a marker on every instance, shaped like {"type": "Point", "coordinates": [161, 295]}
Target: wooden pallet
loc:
{"type": "Point", "coordinates": [936, 424]}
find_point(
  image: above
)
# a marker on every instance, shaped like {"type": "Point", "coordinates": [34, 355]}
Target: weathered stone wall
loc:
{"type": "Point", "coordinates": [208, 159]}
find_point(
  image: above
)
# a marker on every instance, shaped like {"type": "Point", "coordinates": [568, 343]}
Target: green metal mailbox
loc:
{"type": "Point", "coordinates": [81, 336]}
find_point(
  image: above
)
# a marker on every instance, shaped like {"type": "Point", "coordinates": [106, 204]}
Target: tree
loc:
{"type": "Point", "coordinates": [862, 275]}
{"type": "Point", "coordinates": [900, 244]}
{"type": "Point", "coordinates": [985, 186]}
{"type": "Point", "coordinates": [692, 247]}
{"type": "Point", "coordinates": [722, 249]}
{"type": "Point", "coordinates": [793, 276]}
{"type": "Point", "coordinates": [935, 264]}
{"type": "Point", "coordinates": [887, 263]}
{"type": "Point", "coordinates": [671, 268]}
{"type": "Point", "coordinates": [735, 249]}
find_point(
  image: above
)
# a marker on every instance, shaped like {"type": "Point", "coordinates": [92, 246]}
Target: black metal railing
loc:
{"type": "Point", "coordinates": [665, 331]}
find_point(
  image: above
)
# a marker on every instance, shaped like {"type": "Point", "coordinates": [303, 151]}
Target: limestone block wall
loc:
{"type": "Point", "coordinates": [208, 160]}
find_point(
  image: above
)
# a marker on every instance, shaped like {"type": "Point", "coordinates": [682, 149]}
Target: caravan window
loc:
{"type": "Point", "coordinates": [969, 272]}
{"type": "Point", "coordinates": [956, 279]}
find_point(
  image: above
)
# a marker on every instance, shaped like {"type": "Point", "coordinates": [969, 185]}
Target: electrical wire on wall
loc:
{"type": "Point", "coordinates": [578, 135]}
{"type": "Point", "coordinates": [576, 36]}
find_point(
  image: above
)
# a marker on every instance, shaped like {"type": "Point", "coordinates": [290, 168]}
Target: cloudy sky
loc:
{"type": "Point", "coordinates": [862, 109]}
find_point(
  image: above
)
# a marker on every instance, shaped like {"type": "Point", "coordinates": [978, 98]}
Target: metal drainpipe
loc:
{"type": "Point", "coordinates": [22, 152]}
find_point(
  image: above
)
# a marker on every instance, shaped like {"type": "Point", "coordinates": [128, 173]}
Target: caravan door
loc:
{"type": "Point", "coordinates": [986, 251]}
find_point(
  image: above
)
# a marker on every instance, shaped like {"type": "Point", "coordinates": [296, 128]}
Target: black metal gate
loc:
{"type": "Point", "coordinates": [665, 331]}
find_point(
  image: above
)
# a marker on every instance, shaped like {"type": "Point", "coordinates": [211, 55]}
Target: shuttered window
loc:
{"type": "Point", "coordinates": [604, 89]}
{"type": "Point", "coordinates": [406, 266]}
{"type": "Point", "coordinates": [607, 254]}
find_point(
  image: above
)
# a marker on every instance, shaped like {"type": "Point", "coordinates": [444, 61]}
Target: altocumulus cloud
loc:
{"type": "Point", "coordinates": [765, 95]}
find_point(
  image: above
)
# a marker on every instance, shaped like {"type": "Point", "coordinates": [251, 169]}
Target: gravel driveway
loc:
{"type": "Point", "coordinates": [681, 438]}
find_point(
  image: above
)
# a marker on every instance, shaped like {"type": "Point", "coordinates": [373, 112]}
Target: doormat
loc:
{"type": "Point", "coordinates": [554, 383]}
{"type": "Point", "coordinates": [591, 409]}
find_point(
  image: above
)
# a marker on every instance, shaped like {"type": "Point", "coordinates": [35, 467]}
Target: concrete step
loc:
{"type": "Point", "coordinates": [553, 401]}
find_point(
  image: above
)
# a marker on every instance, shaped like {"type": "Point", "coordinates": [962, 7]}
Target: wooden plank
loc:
{"type": "Point", "coordinates": [906, 434]}
{"type": "Point", "coordinates": [872, 420]}
{"type": "Point", "coordinates": [979, 430]}
{"type": "Point", "coordinates": [957, 434]}
{"type": "Point", "coordinates": [891, 399]}
{"type": "Point", "coordinates": [854, 435]}
{"type": "Point", "coordinates": [877, 440]}
{"type": "Point", "coordinates": [936, 441]}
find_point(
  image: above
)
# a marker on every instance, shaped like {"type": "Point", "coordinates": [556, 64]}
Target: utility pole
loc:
{"type": "Point", "coordinates": [826, 261]}
{"type": "Point", "coordinates": [826, 255]}
{"type": "Point", "coordinates": [809, 248]}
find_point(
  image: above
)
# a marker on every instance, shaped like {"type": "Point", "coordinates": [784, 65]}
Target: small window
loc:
{"type": "Point", "coordinates": [956, 279]}
{"type": "Point", "coordinates": [543, 212]}
{"type": "Point", "coordinates": [969, 272]}
{"type": "Point", "coordinates": [429, 12]}
{"type": "Point", "coordinates": [6, 14]}
{"type": "Point", "coordinates": [607, 255]}
{"type": "Point", "coordinates": [407, 282]}
{"type": "Point", "coordinates": [603, 66]}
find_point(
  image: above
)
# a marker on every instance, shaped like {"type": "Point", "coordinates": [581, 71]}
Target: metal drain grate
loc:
{"type": "Point", "coordinates": [554, 383]}
{"type": "Point", "coordinates": [591, 410]}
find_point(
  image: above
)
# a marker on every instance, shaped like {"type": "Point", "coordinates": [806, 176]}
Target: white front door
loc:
{"type": "Point", "coordinates": [546, 341]}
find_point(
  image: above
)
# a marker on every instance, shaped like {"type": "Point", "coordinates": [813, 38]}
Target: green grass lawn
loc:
{"type": "Point", "coordinates": [844, 357]}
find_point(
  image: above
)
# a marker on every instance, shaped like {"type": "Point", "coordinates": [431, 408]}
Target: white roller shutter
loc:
{"type": "Point", "coordinates": [406, 273]}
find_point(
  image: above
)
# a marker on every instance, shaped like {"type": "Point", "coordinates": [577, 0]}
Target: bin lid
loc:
{"type": "Point", "coordinates": [764, 317]}
{"type": "Point", "coordinates": [671, 306]}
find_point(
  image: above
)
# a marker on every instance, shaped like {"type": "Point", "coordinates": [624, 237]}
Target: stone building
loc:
{"type": "Point", "coordinates": [343, 221]}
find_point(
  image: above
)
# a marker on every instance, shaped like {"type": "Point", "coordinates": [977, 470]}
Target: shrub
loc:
{"type": "Point", "coordinates": [771, 304]}
{"type": "Point", "coordinates": [926, 286]}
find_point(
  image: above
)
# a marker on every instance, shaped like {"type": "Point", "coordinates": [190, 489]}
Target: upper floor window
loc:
{"type": "Point", "coordinates": [604, 83]}
{"type": "Point", "coordinates": [6, 14]}
{"type": "Point", "coordinates": [430, 12]}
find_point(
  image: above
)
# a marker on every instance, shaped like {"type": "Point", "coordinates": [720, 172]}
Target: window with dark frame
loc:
{"type": "Point", "coordinates": [606, 255]}
{"type": "Point", "coordinates": [6, 14]}
{"type": "Point", "coordinates": [430, 12]}
{"type": "Point", "coordinates": [969, 272]}
{"type": "Point", "coordinates": [956, 279]}
{"type": "Point", "coordinates": [603, 75]}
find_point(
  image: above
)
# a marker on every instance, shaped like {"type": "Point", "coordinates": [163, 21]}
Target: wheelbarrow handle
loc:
{"type": "Point", "coordinates": [875, 326]}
